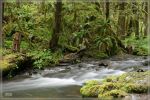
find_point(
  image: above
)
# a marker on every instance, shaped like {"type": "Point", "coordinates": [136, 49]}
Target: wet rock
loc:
{"type": "Point", "coordinates": [68, 68]}
{"type": "Point", "coordinates": [63, 64]}
{"type": "Point", "coordinates": [146, 63]}
{"type": "Point", "coordinates": [140, 70]}
{"type": "Point", "coordinates": [145, 57]}
{"type": "Point", "coordinates": [103, 64]}
{"type": "Point", "coordinates": [34, 72]}
{"type": "Point", "coordinates": [80, 65]}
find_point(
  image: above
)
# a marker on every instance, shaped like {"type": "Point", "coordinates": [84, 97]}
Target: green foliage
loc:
{"type": "Point", "coordinates": [108, 44]}
{"type": "Point", "coordinates": [140, 46]}
{"type": "Point", "coordinates": [44, 58]}
{"type": "Point", "coordinates": [95, 53]}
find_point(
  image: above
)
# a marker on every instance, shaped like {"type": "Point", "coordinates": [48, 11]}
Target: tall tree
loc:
{"type": "Point", "coordinates": [146, 19]}
{"type": "Point", "coordinates": [107, 9]}
{"type": "Point", "coordinates": [57, 26]}
{"type": "Point", "coordinates": [1, 24]}
{"type": "Point", "coordinates": [3, 11]}
{"type": "Point", "coordinates": [18, 3]}
{"type": "Point", "coordinates": [17, 35]}
{"type": "Point", "coordinates": [134, 20]}
{"type": "Point", "coordinates": [121, 19]}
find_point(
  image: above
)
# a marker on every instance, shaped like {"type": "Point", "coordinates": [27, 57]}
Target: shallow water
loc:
{"type": "Point", "coordinates": [60, 82]}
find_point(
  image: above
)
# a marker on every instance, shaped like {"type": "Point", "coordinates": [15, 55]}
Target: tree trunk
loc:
{"type": "Point", "coordinates": [146, 19]}
{"type": "Point", "coordinates": [136, 21]}
{"type": "Point", "coordinates": [107, 9]}
{"type": "Point", "coordinates": [16, 42]}
{"type": "Point", "coordinates": [18, 3]}
{"type": "Point", "coordinates": [103, 4]}
{"type": "Point", "coordinates": [3, 11]}
{"type": "Point", "coordinates": [2, 35]}
{"type": "Point", "coordinates": [57, 26]}
{"type": "Point", "coordinates": [121, 20]}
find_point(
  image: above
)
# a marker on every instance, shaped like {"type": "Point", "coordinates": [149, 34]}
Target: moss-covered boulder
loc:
{"type": "Point", "coordinates": [117, 86]}
{"type": "Point", "coordinates": [14, 63]}
{"type": "Point", "coordinates": [112, 94]}
{"type": "Point", "coordinates": [90, 89]}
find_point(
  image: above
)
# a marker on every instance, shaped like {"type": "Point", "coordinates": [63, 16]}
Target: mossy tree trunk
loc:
{"type": "Point", "coordinates": [3, 11]}
{"type": "Point", "coordinates": [2, 32]}
{"type": "Point", "coordinates": [53, 45]}
{"type": "Point", "coordinates": [146, 19]}
{"type": "Point", "coordinates": [121, 20]}
{"type": "Point", "coordinates": [107, 9]}
{"type": "Point", "coordinates": [134, 20]}
{"type": "Point", "coordinates": [18, 3]}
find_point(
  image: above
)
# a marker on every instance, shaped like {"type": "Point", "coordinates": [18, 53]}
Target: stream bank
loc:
{"type": "Point", "coordinates": [65, 81]}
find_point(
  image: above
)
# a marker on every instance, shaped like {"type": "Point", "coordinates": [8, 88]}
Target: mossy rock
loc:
{"type": "Point", "coordinates": [136, 88]}
{"type": "Point", "coordinates": [90, 91]}
{"type": "Point", "coordinates": [14, 63]}
{"type": "Point", "coordinates": [108, 86]}
{"type": "Point", "coordinates": [112, 94]}
{"type": "Point", "coordinates": [117, 86]}
{"type": "Point", "coordinates": [92, 82]}
{"type": "Point", "coordinates": [133, 77]}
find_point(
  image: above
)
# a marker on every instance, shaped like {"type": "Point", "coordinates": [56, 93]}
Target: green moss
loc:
{"type": "Point", "coordinates": [132, 77]}
{"type": "Point", "coordinates": [85, 90]}
{"type": "Point", "coordinates": [91, 88]}
{"type": "Point", "coordinates": [92, 82]}
{"type": "Point", "coordinates": [136, 88]}
{"type": "Point", "coordinates": [13, 63]}
{"type": "Point", "coordinates": [110, 79]}
{"type": "Point", "coordinates": [108, 86]}
{"type": "Point", "coordinates": [117, 86]}
{"type": "Point", "coordinates": [113, 94]}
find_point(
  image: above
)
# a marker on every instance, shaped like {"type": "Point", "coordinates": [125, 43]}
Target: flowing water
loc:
{"type": "Point", "coordinates": [66, 81]}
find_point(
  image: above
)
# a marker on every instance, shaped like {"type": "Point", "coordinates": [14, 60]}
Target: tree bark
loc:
{"type": "Point", "coordinates": [57, 26]}
{"type": "Point", "coordinates": [146, 19]}
{"type": "Point", "coordinates": [107, 9]}
{"type": "Point", "coordinates": [2, 31]}
{"type": "Point", "coordinates": [121, 20]}
{"type": "Point", "coordinates": [18, 3]}
{"type": "Point", "coordinates": [16, 42]}
{"type": "Point", "coordinates": [136, 21]}
{"type": "Point", "coordinates": [3, 11]}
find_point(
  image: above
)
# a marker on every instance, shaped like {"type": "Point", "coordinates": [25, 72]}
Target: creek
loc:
{"type": "Point", "coordinates": [65, 81]}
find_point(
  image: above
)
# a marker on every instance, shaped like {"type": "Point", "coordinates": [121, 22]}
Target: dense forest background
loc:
{"type": "Point", "coordinates": [52, 30]}
{"type": "Point", "coordinates": [75, 49]}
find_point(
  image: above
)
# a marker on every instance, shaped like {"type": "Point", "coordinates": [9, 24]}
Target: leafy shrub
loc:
{"type": "Point", "coordinates": [44, 58]}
